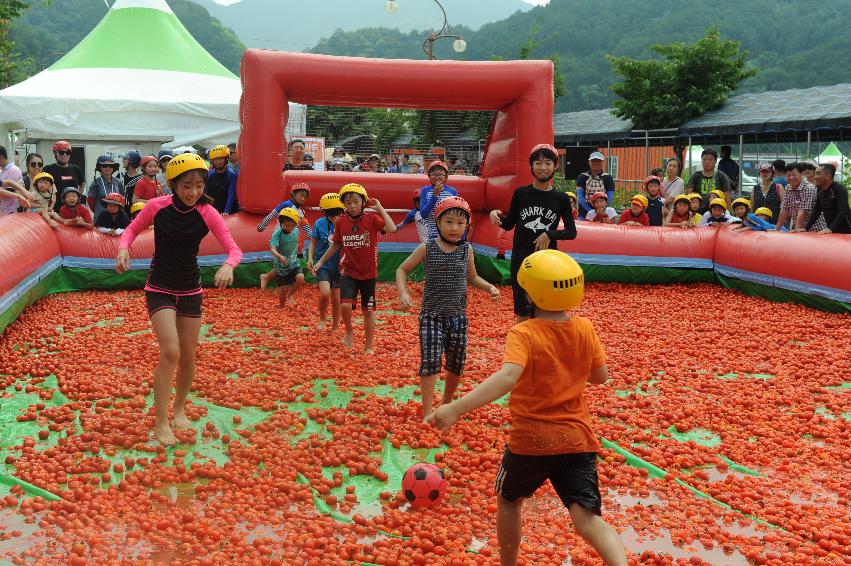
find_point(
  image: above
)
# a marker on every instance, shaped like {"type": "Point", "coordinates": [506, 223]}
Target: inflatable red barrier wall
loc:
{"type": "Point", "coordinates": [519, 91]}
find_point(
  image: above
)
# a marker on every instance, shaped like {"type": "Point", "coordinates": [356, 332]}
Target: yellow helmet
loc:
{"type": "Point", "coordinates": [718, 202]}
{"type": "Point", "coordinates": [552, 279]}
{"type": "Point", "coordinates": [289, 213]}
{"type": "Point", "coordinates": [692, 196]}
{"type": "Point", "coordinates": [218, 151]}
{"type": "Point", "coordinates": [642, 200]}
{"type": "Point", "coordinates": [743, 201]}
{"type": "Point", "coordinates": [330, 201]}
{"type": "Point", "coordinates": [182, 163]}
{"type": "Point", "coordinates": [136, 207]}
{"type": "Point", "coordinates": [766, 211]}
{"type": "Point", "coordinates": [683, 198]}
{"type": "Point", "coordinates": [718, 193]}
{"type": "Point", "coordinates": [353, 188]}
{"type": "Point", "coordinates": [41, 176]}
{"type": "Point", "coordinates": [571, 194]}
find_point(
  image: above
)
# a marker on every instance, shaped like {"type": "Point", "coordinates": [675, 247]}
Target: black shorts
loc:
{"type": "Point", "coordinates": [521, 303]}
{"type": "Point", "coordinates": [574, 477]}
{"type": "Point", "coordinates": [349, 289]}
{"type": "Point", "coordinates": [439, 334]}
{"type": "Point", "coordinates": [332, 277]}
{"type": "Point", "coordinates": [185, 305]}
{"type": "Point", "coordinates": [288, 278]}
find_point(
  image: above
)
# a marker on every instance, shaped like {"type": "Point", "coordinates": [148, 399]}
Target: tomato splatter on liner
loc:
{"type": "Point", "coordinates": [298, 446]}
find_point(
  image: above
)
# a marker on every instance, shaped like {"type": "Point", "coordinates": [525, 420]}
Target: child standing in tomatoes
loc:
{"type": "Point", "coordinates": [356, 237]}
{"type": "Point", "coordinates": [547, 363]}
{"type": "Point", "coordinates": [284, 247]}
{"type": "Point", "coordinates": [173, 290]}
{"type": "Point", "coordinates": [448, 267]}
{"type": "Point", "coordinates": [534, 215]}
{"type": "Point", "coordinates": [329, 277]}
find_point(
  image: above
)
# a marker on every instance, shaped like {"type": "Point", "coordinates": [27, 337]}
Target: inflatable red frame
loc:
{"type": "Point", "coordinates": [519, 91]}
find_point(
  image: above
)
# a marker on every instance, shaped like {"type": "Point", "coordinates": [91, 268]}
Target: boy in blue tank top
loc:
{"type": "Point", "coordinates": [448, 266]}
{"type": "Point", "coordinates": [328, 276]}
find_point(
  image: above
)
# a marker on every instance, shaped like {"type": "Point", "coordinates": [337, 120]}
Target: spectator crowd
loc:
{"type": "Point", "coordinates": [794, 197]}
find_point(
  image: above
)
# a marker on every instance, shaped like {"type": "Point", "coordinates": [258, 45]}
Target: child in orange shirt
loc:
{"type": "Point", "coordinates": [548, 361]}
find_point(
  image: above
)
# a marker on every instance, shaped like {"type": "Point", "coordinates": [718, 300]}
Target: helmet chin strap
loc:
{"type": "Point", "coordinates": [450, 242]}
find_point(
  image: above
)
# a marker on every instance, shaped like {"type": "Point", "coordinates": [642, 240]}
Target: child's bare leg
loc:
{"type": "Point", "coordinates": [165, 329]}
{"type": "Point", "coordinates": [427, 386]}
{"type": "Point", "coordinates": [335, 309]}
{"type": "Point", "coordinates": [599, 534]}
{"type": "Point", "coordinates": [324, 299]}
{"type": "Point", "coordinates": [265, 278]}
{"type": "Point", "coordinates": [283, 293]}
{"type": "Point", "coordinates": [346, 313]}
{"type": "Point", "coordinates": [452, 381]}
{"type": "Point", "coordinates": [299, 282]}
{"type": "Point", "coordinates": [508, 529]}
{"type": "Point", "coordinates": [187, 331]}
{"type": "Point", "coordinates": [368, 330]}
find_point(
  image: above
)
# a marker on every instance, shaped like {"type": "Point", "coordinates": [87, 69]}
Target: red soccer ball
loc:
{"type": "Point", "coordinates": [423, 485]}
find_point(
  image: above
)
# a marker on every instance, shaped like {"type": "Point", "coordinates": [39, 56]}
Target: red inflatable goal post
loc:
{"type": "Point", "coordinates": [521, 93]}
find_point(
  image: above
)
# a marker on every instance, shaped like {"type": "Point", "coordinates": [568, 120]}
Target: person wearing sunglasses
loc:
{"type": "Point", "coordinates": [34, 164]}
{"type": "Point", "coordinates": [65, 174]}
{"type": "Point", "coordinates": [105, 184]}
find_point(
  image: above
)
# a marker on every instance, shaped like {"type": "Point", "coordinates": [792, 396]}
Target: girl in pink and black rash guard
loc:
{"type": "Point", "coordinates": [173, 290]}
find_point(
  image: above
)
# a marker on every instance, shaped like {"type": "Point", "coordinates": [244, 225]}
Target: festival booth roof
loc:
{"type": "Point", "coordinates": [138, 75]}
{"type": "Point", "coordinates": [774, 116]}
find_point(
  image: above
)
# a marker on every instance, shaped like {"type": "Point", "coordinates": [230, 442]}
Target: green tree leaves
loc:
{"type": "Point", "coordinates": [688, 81]}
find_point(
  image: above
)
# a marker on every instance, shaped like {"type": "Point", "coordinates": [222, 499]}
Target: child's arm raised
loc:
{"type": "Point", "coordinates": [488, 391]}
{"type": "Point", "coordinates": [474, 279]}
{"type": "Point", "coordinates": [389, 227]}
{"type": "Point", "coordinates": [413, 260]}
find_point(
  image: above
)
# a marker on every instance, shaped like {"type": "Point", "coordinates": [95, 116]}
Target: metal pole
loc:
{"type": "Point", "coordinates": [646, 153]}
{"type": "Point", "coordinates": [608, 155]}
{"type": "Point", "coordinates": [741, 154]}
{"type": "Point", "coordinates": [809, 142]}
{"type": "Point", "coordinates": [689, 156]}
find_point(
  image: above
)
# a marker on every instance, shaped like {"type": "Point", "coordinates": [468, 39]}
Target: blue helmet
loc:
{"type": "Point", "coordinates": [105, 158]}
{"type": "Point", "coordinates": [164, 153]}
{"type": "Point", "coordinates": [134, 157]}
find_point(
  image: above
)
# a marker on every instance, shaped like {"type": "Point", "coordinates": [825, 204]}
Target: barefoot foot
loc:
{"type": "Point", "coordinates": [264, 282]}
{"type": "Point", "coordinates": [180, 421]}
{"type": "Point", "coordinates": [165, 435]}
{"type": "Point", "coordinates": [321, 326]}
{"type": "Point", "coordinates": [347, 340]}
{"type": "Point", "coordinates": [369, 351]}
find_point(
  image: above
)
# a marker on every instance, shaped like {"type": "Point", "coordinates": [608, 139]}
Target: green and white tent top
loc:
{"type": "Point", "coordinates": [833, 155]}
{"type": "Point", "coordinates": [138, 75]}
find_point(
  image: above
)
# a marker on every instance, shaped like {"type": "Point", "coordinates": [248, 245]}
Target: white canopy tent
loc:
{"type": "Point", "coordinates": [139, 80]}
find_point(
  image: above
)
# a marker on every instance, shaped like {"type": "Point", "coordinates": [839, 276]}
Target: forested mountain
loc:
{"type": "Point", "coordinates": [295, 25]}
{"type": "Point", "coordinates": [49, 30]}
{"type": "Point", "coordinates": [794, 44]}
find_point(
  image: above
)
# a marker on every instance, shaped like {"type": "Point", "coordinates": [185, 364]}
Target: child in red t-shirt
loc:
{"type": "Point", "coordinates": [547, 363]}
{"type": "Point", "coordinates": [73, 213]}
{"type": "Point", "coordinates": [356, 236]}
{"type": "Point", "coordinates": [148, 187]}
{"type": "Point", "coordinates": [635, 215]}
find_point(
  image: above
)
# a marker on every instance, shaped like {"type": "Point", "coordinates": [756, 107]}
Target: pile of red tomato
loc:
{"type": "Point", "coordinates": [760, 385]}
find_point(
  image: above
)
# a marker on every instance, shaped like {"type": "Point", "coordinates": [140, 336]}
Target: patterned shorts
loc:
{"type": "Point", "coordinates": [573, 476]}
{"type": "Point", "coordinates": [439, 334]}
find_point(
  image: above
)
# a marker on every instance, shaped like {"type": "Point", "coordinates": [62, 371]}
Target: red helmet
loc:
{"type": "Point", "coordinates": [115, 198]}
{"type": "Point", "coordinates": [62, 145]}
{"type": "Point", "coordinates": [147, 159]}
{"type": "Point", "coordinates": [440, 164]}
{"type": "Point", "coordinates": [544, 147]}
{"type": "Point", "coordinates": [595, 196]}
{"type": "Point", "coordinates": [415, 194]}
{"type": "Point", "coordinates": [452, 202]}
{"type": "Point", "coordinates": [652, 179]}
{"type": "Point", "coordinates": [300, 187]}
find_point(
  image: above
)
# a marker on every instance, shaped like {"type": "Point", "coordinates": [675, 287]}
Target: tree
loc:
{"type": "Point", "coordinates": [9, 10]}
{"type": "Point", "coordinates": [688, 81]}
{"type": "Point", "coordinates": [386, 125]}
